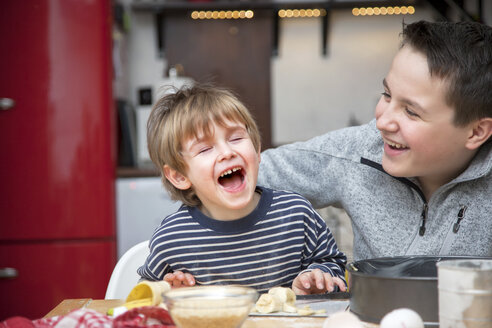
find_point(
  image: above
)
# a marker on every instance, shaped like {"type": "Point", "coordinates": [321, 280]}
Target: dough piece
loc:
{"type": "Point", "coordinates": [268, 303]}
{"type": "Point", "coordinates": [306, 310]}
{"type": "Point", "coordinates": [285, 295]}
{"type": "Point", "coordinates": [289, 308]}
{"type": "Point", "coordinates": [282, 299]}
{"type": "Point", "coordinates": [277, 299]}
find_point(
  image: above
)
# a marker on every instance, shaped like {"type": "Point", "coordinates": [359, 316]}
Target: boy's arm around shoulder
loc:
{"type": "Point", "coordinates": [316, 168]}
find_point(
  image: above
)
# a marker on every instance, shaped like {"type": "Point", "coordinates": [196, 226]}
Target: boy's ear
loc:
{"type": "Point", "coordinates": [480, 133]}
{"type": "Point", "coordinates": [176, 178]}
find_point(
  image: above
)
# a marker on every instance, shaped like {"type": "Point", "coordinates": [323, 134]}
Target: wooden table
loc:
{"type": "Point", "coordinates": [103, 306]}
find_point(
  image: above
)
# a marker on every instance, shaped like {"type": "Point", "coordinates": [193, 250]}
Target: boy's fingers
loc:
{"type": "Point", "coordinates": [169, 277]}
{"type": "Point", "coordinates": [300, 287]}
{"type": "Point", "coordinates": [179, 275]}
{"type": "Point", "coordinates": [176, 278]}
{"type": "Point", "coordinates": [319, 279]}
{"type": "Point", "coordinates": [305, 281]}
{"type": "Point", "coordinates": [190, 279]}
{"type": "Point", "coordinates": [176, 283]}
{"type": "Point", "coordinates": [328, 282]}
{"type": "Point", "coordinates": [339, 282]}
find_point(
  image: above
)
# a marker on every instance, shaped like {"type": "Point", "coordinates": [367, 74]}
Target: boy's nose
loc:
{"type": "Point", "coordinates": [226, 152]}
{"type": "Point", "coordinates": [386, 118]}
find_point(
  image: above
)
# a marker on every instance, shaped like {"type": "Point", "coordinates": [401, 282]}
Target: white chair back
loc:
{"type": "Point", "coordinates": [125, 276]}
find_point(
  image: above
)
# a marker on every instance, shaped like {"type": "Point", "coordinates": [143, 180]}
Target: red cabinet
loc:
{"type": "Point", "coordinates": [51, 272]}
{"type": "Point", "coordinates": [57, 153]}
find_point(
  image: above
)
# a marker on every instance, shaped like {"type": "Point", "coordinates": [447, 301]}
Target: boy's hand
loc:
{"type": "Point", "coordinates": [180, 279]}
{"type": "Point", "coordinates": [316, 282]}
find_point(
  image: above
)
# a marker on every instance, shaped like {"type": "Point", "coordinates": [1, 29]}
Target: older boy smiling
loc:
{"type": "Point", "coordinates": [417, 180]}
{"type": "Point", "coordinates": [417, 124]}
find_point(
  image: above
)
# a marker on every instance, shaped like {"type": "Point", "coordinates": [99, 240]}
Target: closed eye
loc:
{"type": "Point", "coordinates": [204, 150]}
{"type": "Point", "coordinates": [238, 136]}
{"type": "Point", "coordinates": [411, 113]}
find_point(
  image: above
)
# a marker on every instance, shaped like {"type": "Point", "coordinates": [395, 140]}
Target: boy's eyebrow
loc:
{"type": "Point", "coordinates": [196, 141]}
{"type": "Point", "coordinates": [405, 100]}
{"type": "Point", "coordinates": [234, 128]}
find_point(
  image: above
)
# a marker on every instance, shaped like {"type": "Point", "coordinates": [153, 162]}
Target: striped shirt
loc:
{"type": "Point", "coordinates": [281, 238]}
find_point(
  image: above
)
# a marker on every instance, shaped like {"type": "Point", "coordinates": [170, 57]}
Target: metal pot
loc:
{"type": "Point", "coordinates": [378, 286]}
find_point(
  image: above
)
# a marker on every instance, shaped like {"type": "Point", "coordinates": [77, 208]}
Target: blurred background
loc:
{"type": "Point", "coordinates": [79, 78]}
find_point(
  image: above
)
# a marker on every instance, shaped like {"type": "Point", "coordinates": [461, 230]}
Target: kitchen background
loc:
{"type": "Point", "coordinates": [311, 92]}
{"type": "Point", "coordinates": [78, 189]}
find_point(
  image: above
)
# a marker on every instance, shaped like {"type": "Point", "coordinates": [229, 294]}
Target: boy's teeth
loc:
{"type": "Point", "coordinates": [229, 171]}
{"type": "Point", "coordinates": [395, 145]}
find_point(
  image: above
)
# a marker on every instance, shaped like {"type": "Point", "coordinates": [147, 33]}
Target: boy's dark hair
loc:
{"type": "Point", "coordinates": [461, 54]}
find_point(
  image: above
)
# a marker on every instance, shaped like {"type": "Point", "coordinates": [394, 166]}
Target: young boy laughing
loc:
{"type": "Point", "coordinates": [229, 230]}
{"type": "Point", "coordinates": [417, 180]}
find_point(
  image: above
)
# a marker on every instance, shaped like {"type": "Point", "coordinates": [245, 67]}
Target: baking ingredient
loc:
{"type": "Point", "coordinates": [210, 306]}
{"type": "Point", "coordinates": [277, 299]}
{"type": "Point", "coordinates": [145, 293]}
{"type": "Point", "coordinates": [406, 318]}
{"type": "Point", "coordinates": [149, 289]}
{"type": "Point", "coordinates": [343, 319]}
{"type": "Point", "coordinates": [268, 303]}
{"type": "Point", "coordinates": [306, 310]}
{"type": "Point", "coordinates": [222, 319]}
{"type": "Point", "coordinates": [130, 305]}
{"type": "Point", "coordinates": [219, 313]}
{"type": "Point", "coordinates": [285, 295]}
{"type": "Point", "coordinates": [289, 308]}
{"type": "Point", "coordinates": [282, 299]}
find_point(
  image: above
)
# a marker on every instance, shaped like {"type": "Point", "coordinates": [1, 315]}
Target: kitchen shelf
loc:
{"type": "Point", "coordinates": [130, 172]}
{"type": "Point", "coordinates": [164, 7]}
{"type": "Point", "coordinates": [160, 5]}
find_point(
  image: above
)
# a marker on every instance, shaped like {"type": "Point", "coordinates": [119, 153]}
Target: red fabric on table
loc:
{"type": "Point", "coordinates": [147, 316]}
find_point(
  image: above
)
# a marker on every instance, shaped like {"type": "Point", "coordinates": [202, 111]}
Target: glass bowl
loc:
{"type": "Point", "coordinates": [210, 306]}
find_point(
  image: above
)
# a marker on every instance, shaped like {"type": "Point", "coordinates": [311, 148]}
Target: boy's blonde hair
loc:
{"type": "Point", "coordinates": [184, 114]}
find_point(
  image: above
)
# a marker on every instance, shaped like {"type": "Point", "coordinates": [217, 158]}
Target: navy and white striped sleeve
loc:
{"type": "Point", "coordinates": [154, 268]}
{"type": "Point", "coordinates": [321, 251]}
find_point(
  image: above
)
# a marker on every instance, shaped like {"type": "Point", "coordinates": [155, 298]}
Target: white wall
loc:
{"type": "Point", "coordinates": [146, 67]}
{"type": "Point", "coordinates": [325, 92]}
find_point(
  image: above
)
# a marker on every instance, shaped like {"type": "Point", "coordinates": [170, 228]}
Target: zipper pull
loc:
{"type": "Point", "coordinates": [461, 215]}
{"type": "Point", "coordinates": [424, 218]}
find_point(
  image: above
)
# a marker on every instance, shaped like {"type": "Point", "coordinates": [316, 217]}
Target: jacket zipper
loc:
{"type": "Point", "coordinates": [423, 216]}
{"type": "Point", "coordinates": [451, 235]}
{"type": "Point", "coordinates": [412, 185]}
{"type": "Point", "coordinates": [461, 216]}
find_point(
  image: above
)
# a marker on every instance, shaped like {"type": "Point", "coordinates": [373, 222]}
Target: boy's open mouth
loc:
{"type": "Point", "coordinates": [396, 146]}
{"type": "Point", "coordinates": [232, 178]}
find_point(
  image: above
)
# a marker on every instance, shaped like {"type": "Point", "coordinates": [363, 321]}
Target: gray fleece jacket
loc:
{"type": "Point", "coordinates": [390, 216]}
